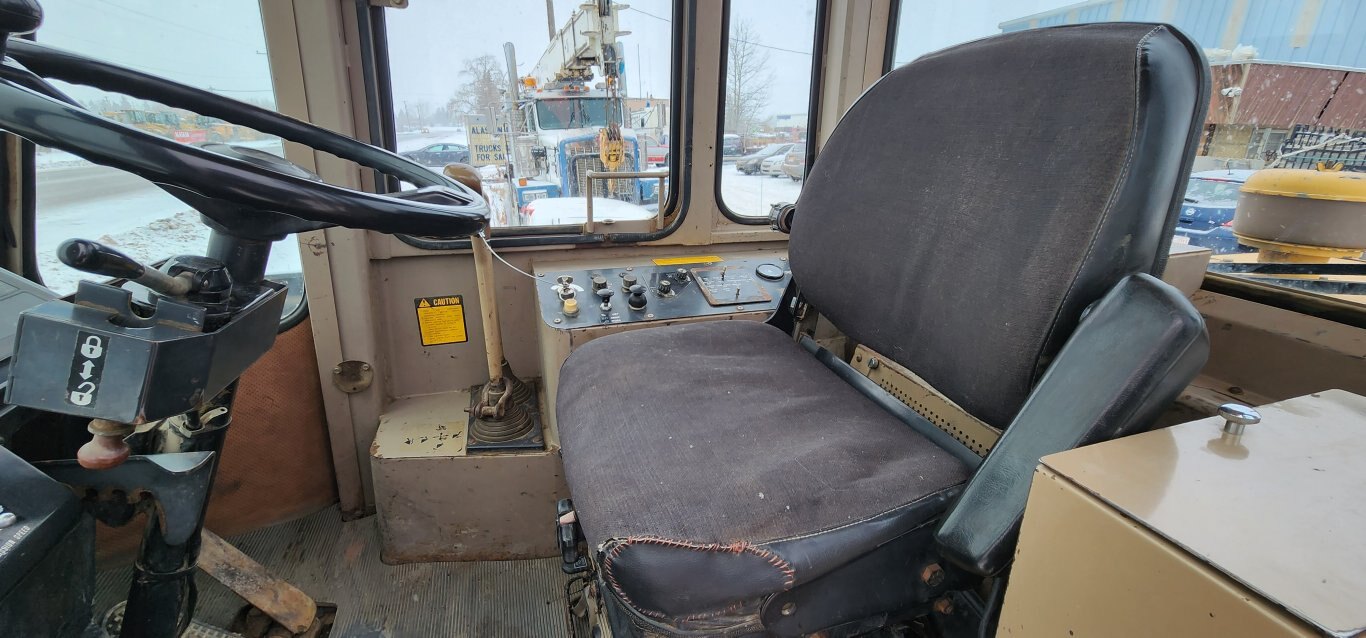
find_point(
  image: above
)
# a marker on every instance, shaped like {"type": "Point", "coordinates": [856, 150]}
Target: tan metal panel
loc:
{"type": "Point", "coordinates": [1083, 569]}
{"type": "Point", "coordinates": [1277, 509]}
{"type": "Point", "coordinates": [438, 503]}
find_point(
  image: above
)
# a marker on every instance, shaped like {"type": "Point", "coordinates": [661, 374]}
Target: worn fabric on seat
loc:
{"type": "Point", "coordinates": [698, 449]}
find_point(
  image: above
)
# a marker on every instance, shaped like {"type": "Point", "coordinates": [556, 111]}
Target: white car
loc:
{"type": "Point", "coordinates": [773, 166]}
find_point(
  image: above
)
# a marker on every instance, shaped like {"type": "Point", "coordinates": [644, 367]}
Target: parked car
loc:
{"type": "Point", "coordinates": [773, 166]}
{"type": "Point", "coordinates": [656, 150]}
{"type": "Point", "coordinates": [439, 154]}
{"type": "Point", "coordinates": [730, 145]}
{"type": "Point", "coordinates": [1207, 213]}
{"type": "Point", "coordinates": [794, 162]}
{"type": "Point", "coordinates": [751, 163]}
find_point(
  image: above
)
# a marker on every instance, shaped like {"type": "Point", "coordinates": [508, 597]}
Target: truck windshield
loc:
{"type": "Point", "coordinates": [573, 113]}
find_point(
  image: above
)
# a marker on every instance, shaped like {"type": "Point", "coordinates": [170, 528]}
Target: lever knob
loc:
{"type": "Point", "coordinates": [628, 281]}
{"type": "Point", "coordinates": [637, 299]}
{"type": "Point", "coordinates": [1237, 417]}
{"type": "Point", "coordinates": [98, 259]}
{"type": "Point", "coordinates": [665, 286]}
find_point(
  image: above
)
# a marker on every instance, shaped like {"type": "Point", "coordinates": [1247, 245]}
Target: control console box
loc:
{"type": "Point", "coordinates": [660, 290]}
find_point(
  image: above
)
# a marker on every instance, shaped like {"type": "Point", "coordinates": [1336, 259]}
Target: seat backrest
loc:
{"type": "Point", "coordinates": [971, 204]}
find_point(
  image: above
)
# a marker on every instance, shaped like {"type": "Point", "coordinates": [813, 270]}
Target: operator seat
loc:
{"type": "Point", "coordinates": [990, 216]}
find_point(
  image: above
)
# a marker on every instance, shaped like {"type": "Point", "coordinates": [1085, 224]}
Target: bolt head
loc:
{"type": "Point", "coordinates": [932, 575]}
{"type": "Point", "coordinates": [1240, 414]}
{"type": "Point", "coordinates": [943, 606]}
{"type": "Point", "coordinates": [336, 370]}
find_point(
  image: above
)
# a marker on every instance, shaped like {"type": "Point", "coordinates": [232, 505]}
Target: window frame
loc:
{"type": "Point", "coordinates": [28, 215]}
{"type": "Point", "coordinates": [378, 91]}
{"type": "Point", "coordinates": [812, 109]}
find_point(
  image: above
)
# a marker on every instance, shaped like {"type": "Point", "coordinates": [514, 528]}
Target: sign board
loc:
{"type": "Point", "coordinates": [191, 137]}
{"type": "Point", "coordinates": [441, 320]}
{"type": "Point", "coordinates": [488, 140]}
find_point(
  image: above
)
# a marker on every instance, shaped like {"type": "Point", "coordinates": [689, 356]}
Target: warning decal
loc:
{"type": "Point", "coordinates": [441, 320]}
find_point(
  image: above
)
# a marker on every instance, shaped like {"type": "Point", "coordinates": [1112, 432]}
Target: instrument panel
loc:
{"type": "Point", "coordinates": [581, 298]}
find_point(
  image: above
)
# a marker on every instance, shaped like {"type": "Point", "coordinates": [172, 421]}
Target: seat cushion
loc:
{"type": "Point", "coordinates": [714, 463]}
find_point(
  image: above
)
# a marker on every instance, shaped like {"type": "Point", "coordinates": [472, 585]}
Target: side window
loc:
{"type": "Point", "coordinates": [213, 45]}
{"type": "Point", "coordinates": [536, 106]}
{"type": "Point", "coordinates": [1285, 133]}
{"type": "Point", "coordinates": [767, 94]}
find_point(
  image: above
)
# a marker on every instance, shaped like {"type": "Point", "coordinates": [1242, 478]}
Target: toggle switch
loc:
{"type": "Point", "coordinates": [605, 295]}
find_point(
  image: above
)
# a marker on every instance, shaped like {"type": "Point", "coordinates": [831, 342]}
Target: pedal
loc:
{"type": "Point", "coordinates": [112, 625]}
{"type": "Point", "coordinates": [568, 535]}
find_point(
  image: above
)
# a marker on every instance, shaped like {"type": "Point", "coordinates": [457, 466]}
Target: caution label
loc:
{"type": "Point", "coordinates": [441, 320]}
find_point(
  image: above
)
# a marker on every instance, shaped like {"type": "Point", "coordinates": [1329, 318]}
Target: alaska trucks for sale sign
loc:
{"type": "Point", "coordinates": [488, 142]}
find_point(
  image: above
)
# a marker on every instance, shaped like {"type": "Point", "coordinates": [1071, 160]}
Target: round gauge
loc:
{"type": "Point", "coordinates": [770, 272]}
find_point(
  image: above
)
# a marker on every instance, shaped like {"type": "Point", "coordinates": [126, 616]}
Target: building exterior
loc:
{"type": "Point", "coordinates": [1292, 31]}
{"type": "Point", "coordinates": [1283, 72]}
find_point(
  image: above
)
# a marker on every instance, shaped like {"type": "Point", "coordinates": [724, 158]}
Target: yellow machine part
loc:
{"type": "Point", "coordinates": [1338, 186]}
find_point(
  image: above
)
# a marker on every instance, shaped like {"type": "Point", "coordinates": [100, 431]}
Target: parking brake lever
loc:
{"type": "Point", "coordinates": [98, 259]}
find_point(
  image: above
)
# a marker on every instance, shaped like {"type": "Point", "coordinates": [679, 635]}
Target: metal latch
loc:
{"type": "Point", "coordinates": [568, 534]}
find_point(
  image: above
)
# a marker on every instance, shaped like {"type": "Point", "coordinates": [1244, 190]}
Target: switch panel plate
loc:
{"type": "Point", "coordinates": [695, 290]}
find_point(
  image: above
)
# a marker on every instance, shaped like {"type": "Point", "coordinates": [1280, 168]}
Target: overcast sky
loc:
{"type": "Point", "coordinates": [217, 44]}
{"type": "Point", "coordinates": [220, 44]}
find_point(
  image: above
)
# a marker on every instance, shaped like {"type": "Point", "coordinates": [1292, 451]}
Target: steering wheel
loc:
{"type": "Point", "coordinates": [246, 194]}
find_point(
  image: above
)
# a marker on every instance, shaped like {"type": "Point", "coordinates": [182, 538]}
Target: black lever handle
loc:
{"type": "Point", "coordinates": [97, 259]}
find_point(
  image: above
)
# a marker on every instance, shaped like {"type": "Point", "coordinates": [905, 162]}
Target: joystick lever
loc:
{"type": "Point", "coordinates": [98, 259]}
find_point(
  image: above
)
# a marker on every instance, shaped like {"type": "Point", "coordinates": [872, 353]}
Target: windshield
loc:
{"type": "Point", "coordinates": [1206, 190]}
{"type": "Point", "coordinates": [572, 113]}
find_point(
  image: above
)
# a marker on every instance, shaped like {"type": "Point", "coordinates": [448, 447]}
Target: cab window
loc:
{"type": "Point", "coordinates": [539, 108]}
{"type": "Point", "coordinates": [1285, 132]}
{"type": "Point", "coordinates": [767, 96]}
{"type": "Point", "coordinates": [213, 45]}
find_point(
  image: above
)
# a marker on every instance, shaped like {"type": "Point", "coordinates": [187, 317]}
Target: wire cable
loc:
{"type": "Point", "coordinates": [495, 254]}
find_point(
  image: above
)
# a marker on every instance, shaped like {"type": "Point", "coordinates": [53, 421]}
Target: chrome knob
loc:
{"type": "Point", "coordinates": [1237, 417]}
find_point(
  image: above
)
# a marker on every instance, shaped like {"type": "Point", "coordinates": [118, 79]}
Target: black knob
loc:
{"type": "Point", "coordinates": [665, 286]}
{"type": "Point", "coordinates": [605, 295]}
{"type": "Point", "coordinates": [627, 280]}
{"type": "Point", "coordinates": [18, 17]}
{"type": "Point", "coordinates": [599, 282]}
{"type": "Point", "coordinates": [98, 259]}
{"type": "Point", "coordinates": [637, 299]}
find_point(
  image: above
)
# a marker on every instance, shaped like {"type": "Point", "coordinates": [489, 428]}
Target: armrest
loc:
{"type": "Point", "coordinates": [1132, 355]}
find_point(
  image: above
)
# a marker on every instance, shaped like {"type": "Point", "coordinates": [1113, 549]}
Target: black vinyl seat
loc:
{"type": "Point", "coordinates": [991, 217]}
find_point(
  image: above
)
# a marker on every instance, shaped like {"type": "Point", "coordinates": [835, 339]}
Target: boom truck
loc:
{"type": "Point", "coordinates": [564, 124]}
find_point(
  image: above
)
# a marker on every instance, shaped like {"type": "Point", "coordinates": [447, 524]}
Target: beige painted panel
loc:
{"type": "Point", "coordinates": [1083, 569]}
{"type": "Point", "coordinates": [437, 503]}
{"type": "Point", "coordinates": [1278, 353]}
{"type": "Point", "coordinates": [1278, 510]}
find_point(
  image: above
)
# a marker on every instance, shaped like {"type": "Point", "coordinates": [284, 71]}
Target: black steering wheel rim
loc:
{"type": "Point", "coordinates": [33, 109]}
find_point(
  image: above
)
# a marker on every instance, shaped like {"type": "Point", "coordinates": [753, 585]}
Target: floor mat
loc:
{"type": "Point", "coordinates": [338, 562]}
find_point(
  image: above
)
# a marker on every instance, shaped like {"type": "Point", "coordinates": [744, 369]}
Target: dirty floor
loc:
{"type": "Point", "coordinates": [338, 562]}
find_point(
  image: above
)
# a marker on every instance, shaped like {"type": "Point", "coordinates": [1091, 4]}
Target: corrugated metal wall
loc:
{"type": "Point", "coordinates": [1329, 32]}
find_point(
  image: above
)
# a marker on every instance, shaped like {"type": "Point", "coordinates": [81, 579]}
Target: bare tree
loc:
{"type": "Point", "coordinates": [748, 80]}
{"type": "Point", "coordinates": [485, 82]}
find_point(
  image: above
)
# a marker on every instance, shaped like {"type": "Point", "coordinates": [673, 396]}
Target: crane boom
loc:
{"type": "Point", "coordinates": [587, 40]}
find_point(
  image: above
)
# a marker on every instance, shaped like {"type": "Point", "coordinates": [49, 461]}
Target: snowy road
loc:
{"type": "Point", "coordinates": [78, 199]}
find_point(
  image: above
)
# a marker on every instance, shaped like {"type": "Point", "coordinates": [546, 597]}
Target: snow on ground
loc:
{"type": "Point", "coordinates": [753, 194]}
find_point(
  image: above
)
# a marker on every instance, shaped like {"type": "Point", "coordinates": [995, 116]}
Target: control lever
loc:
{"type": "Point", "coordinates": [98, 259]}
{"type": "Point", "coordinates": [605, 295]}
